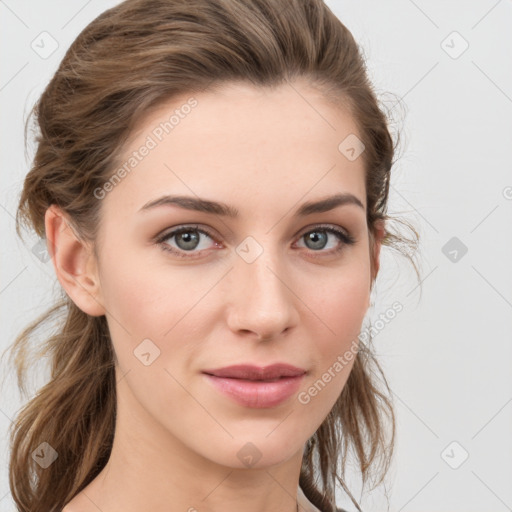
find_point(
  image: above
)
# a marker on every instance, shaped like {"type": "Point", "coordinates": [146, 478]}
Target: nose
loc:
{"type": "Point", "coordinates": [262, 303]}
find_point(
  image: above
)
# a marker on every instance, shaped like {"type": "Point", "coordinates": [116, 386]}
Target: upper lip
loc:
{"type": "Point", "coordinates": [251, 372]}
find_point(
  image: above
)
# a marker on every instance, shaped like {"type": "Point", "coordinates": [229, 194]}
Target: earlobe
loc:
{"type": "Point", "coordinates": [74, 262]}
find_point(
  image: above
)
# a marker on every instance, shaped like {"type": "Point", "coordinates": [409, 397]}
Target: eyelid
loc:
{"type": "Point", "coordinates": [323, 226]}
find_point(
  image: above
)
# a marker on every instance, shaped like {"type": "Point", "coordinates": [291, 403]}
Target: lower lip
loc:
{"type": "Point", "coordinates": [257, 394]}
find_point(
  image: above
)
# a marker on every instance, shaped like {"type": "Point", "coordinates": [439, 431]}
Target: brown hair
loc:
{"type": "Point", "coordinates": [127, 61]}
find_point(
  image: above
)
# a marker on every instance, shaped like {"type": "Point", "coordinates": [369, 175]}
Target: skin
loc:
{"type": "Point", "coordinates": [264, 152]}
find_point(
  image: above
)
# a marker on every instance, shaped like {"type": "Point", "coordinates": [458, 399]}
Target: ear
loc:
{"type": "Point", "coordinates": [380, 233]}
{"type": "Point", "coordinates": [74, 262]}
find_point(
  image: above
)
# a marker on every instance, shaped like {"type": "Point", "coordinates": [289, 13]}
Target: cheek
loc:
{"type": "Point", "coordinates": [169, 306]}
{"type": "Point", "coordinates": [147, 299]}
{"type": "Point", "coordinates": [349, 306]}
{"type": "Point", "coordinates": [340, 305]}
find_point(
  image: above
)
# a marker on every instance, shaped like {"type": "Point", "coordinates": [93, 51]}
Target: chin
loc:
{"type": "Point", "coordinates": [259, 451]}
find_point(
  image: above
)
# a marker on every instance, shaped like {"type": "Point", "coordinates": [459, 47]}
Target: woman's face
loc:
{"type": "Point", "coordinates": [265, 282]}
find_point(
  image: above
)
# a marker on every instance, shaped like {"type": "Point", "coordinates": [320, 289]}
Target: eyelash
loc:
{"type": "Point", "coordinates": [345, 238]}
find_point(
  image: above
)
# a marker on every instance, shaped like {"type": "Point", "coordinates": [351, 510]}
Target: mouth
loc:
{"type": "Point", "coordinates": [257, 387]}
{"type": "Point", "coordinates": [260, 373]}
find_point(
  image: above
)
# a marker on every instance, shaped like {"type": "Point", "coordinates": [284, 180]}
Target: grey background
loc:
{"type": "Point", "coordinates": [448, 354]}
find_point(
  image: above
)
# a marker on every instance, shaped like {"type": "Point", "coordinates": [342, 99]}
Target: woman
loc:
{"type": "Point", "coordinates": [211, 178]}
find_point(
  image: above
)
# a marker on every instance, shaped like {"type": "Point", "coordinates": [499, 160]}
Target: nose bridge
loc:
{"type": "Point", "coordinates": [262, 301]}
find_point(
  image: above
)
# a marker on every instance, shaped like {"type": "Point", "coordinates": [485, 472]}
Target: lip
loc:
{"type": "Point", "coordinates": [256, 386]}
{"type": "Point", "coordinates": [252, 372]}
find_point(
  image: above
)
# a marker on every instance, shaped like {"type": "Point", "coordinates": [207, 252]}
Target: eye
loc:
{"type": "Point", "coordinates": [317, 239]}
{"type": "Point", "coordinates": [187, 239]}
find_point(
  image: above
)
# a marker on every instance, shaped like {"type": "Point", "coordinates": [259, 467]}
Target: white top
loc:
{"type": "Point", "coordinates": [304, 504]}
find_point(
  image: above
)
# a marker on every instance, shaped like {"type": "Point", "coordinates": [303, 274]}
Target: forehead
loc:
{"type": "Point", "coordinates": [257, 145]}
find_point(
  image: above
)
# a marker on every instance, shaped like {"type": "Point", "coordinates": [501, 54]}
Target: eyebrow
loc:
{"type": "Point", "coordinates": [218, 208]}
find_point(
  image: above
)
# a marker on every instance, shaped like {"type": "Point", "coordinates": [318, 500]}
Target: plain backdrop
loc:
{"type": "Point", "coordinates": [443, 70]}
